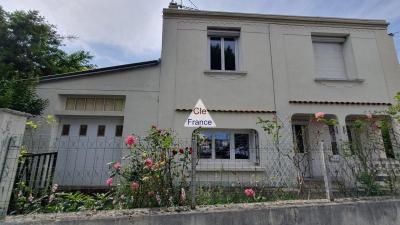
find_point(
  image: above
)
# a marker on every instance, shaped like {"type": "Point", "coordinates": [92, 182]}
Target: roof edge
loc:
{"type": "Point", "coordinates": [173, 13]}
{"type": "Point", "coordinates": [97, 71]}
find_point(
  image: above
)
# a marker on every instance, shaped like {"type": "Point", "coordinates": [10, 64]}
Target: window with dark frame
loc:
{"type": "Point", "coordinates": [119, 130]}
{"type": "Point", "coordinates": [83, 130]}
{"type": "Point", "coordinates": [101, 130]}
{"type": "Point", "coordinates": [65, 130]}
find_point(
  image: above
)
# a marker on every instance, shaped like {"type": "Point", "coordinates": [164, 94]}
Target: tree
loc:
{"type": "Point", "coordinates": [30, 47]}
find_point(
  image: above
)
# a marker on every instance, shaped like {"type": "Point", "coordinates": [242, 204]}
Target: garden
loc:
{"type": "Point", "coordinates": [157, 172]}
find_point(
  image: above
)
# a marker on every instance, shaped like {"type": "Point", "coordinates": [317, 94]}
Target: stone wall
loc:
{"type": "Point", "coordinates": [373, 211]}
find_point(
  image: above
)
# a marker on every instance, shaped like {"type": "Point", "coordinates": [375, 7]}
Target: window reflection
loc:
{"type": "Point", "coordinates": [215, 53]}
{"type": "Point", "coordinates": [222, 143]}
{"type": "Point", "coordinates": [229, 51]}
{"type": "Point", "coordinates": [241, 146]}
{"type": "Point", "coordinates": [205, 149]}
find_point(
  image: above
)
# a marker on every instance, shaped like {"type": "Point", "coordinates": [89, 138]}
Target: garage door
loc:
{"type": "Point", "coordinates": [85, 146]}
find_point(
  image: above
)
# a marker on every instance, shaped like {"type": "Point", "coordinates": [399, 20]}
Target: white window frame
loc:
{"type": "Point", "coordinates": [232, 132]}
{"type": "Point", "coordinates": [223, 53]}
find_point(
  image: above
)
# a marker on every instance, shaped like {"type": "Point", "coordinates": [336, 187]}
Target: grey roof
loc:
{"type": "Point", "coordinates": [98, 71]}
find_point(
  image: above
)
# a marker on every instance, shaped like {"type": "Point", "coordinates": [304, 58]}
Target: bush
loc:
{"type": "Point", "coordinates": [155, 173]}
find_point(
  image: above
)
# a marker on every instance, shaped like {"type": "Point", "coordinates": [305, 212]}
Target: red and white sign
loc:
{"type": "Point", "coordinates": [199, 117]}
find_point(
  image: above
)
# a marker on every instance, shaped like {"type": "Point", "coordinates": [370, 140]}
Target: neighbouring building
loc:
{"type": "Point", "coordinates": [243, 66]}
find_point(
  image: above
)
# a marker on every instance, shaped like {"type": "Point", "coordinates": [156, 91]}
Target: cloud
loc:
{"type": "Point", "coordinates": [132, 28]}
{"type": "Point", "coordinates": [122, 31]}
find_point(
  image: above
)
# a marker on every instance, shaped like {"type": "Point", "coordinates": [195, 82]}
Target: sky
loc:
{"type": "Point", "coordinates": [126, 31]}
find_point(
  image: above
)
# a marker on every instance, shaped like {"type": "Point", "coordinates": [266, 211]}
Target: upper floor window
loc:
{"type": "Point", "coordinates": [223, 48]}
{"type": "Point", "coordinates": [95, 103]}
{"type": "Point", "coordinates": [329, 57]}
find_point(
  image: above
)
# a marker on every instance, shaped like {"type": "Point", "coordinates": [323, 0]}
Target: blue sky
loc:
{"type": "Point", "coordinates": [127, 31]}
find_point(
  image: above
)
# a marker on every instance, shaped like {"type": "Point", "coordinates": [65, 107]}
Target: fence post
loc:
{"type": "Point", "coordinates": [325, 173]}
{"type": "Point", "coordinates": [193, 174]}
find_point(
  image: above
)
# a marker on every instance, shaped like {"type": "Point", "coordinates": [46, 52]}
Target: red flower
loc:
{"type": "Point", "coordinates": [319, 115]}
{"type": "Point", "coordinates": [148, 163]}
{"type": "Point", "coordinates": [190, 150]}
{"type": "Point", "coordinates": [134, 185]}
{"type": "Point", "coordinates": [130, 140]}
{"type": "Point", "coordinates": [181, 150]}
{"type": "Point", "coordinates": [151, 193]}
{"type": "Point", "coordinates": [109, 181]}
{"type": "Point", "coordinates": [249, 192]}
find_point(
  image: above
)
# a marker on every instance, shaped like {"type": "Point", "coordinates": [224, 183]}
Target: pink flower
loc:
{"type": "Point", "coordinates": [249, 192]}
{"type": "Point", "coordinates": [134, 185]}
{"type": "Point", "coordinates": [319, 115]}
{"type": "Point", "coordinates": [30, 198]}
{"type": "Point", "coordinates": [130, 140]}
{"type": "Point", "coordinates": [151, 193]}
{"type": "Point", "coordinates": [148, 163]}
{"type": "Point", "coordinates": [369, 115]}
{"type": "Point", "coordinates": [109, 181]}
{"type": "Point", "coordinates": [117, 165]}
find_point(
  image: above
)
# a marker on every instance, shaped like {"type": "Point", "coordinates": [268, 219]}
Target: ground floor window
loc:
{"type": "Point", "coordinates": [332, 133]}
{"type": "Point", "coordinates": [299, 138]}
{"type": "Point", "coordinates": [227, 144]}
{"type": "Point", "coordinates": [386, 138]}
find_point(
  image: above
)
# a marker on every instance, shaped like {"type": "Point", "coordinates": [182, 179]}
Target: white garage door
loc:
{"type": "Point", "coordinates": [85, 146]}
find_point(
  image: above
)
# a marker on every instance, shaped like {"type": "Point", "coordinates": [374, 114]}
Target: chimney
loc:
{"type": "Point", "coordinates": [173, 5]}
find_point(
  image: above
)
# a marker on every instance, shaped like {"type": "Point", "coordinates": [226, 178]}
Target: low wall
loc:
{"type": "Point", "coordinates": [375, 211]}
{"type": "Point", "coordinates": [12, 127]}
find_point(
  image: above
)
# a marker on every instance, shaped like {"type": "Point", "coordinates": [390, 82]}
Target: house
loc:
{"type": "Point", "coordinates": [243, 66]}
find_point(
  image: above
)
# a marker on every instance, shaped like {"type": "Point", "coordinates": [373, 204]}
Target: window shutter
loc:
{"type": "Point", "coordinates": [329, 60]}
{"type": "Point", "coordinates": [233, 32]}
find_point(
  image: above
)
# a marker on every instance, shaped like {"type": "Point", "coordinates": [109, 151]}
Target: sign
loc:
{"type": "Point", "coordinates": [199, 117]}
